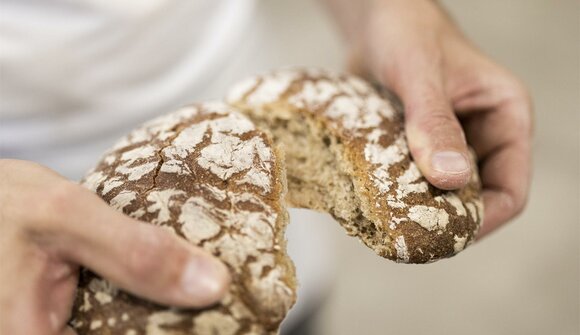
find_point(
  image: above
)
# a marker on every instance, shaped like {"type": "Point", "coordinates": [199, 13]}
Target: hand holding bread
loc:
{"type": "Point", "coordinates": [50, 226]}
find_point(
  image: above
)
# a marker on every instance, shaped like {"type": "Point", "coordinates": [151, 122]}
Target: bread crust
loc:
{"type": "Point", "coordinates": [411, 221]}
{"type": "Point", "coordinates": [208, 175]}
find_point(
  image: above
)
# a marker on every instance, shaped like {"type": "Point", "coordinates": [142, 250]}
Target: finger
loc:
{"type": "Point", "coordinates": [501, 136]}
{"type": "Point", "coordinates": [25, 300]}
{"type": "Point", "coordinates": [434, 134]}
{"type": "Point", "coordinates": [57, 288]}
{"type": "Point", "coordinates": [146, 260]}
{"type": "Point", "coordinates": [493, 123]}
{"type": "Point", "coordinates": [505, 176]}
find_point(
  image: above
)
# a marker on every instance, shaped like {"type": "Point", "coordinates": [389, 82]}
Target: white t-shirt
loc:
{"type": "Point", "coordinates": [78, 74]}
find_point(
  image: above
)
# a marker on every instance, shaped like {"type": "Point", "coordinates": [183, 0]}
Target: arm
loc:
{"type": "Point", "coordinates": [451, 92]}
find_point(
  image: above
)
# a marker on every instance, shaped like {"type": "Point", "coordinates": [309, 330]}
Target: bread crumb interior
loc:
{"type": "Point", "coordinates": [317, 178]}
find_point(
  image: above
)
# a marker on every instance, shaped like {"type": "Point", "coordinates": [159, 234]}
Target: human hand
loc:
{"type": "Point", "coordinates": [50, 226]}
{"type": "Point", "coordinates": [451, 92]}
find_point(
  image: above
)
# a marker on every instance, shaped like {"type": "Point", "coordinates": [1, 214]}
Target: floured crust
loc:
{"type": "Point", "coordinates": [399, 215]}
{"type": "Point", "coordinates": [206, 174]}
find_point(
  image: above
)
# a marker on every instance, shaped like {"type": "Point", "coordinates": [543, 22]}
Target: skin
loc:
{"type": "Point", "coordinates": [453, 95]}
{"type": "Point", "coordinates": [49, 226]}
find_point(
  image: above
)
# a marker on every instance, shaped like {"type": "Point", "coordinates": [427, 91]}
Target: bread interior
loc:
{"type": "Point", "coordinates": [318, 172]}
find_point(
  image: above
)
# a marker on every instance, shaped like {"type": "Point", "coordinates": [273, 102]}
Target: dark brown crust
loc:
{"type": "Point", "coordinates": [413, 221]}
{"type": "Point", "coordinates": [179, 178]}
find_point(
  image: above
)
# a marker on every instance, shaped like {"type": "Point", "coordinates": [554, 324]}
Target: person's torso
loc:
{"type": "Point", "coordinates": [76, 72]}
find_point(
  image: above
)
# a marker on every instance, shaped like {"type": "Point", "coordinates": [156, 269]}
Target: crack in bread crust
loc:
{"type": "Point", "coordinates": [412, 221]}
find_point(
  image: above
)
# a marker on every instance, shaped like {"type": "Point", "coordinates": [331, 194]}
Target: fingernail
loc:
{"type": "Point", "coordinates": [203, 279]}
{"type": "Point", "coordinates": [449, 162]}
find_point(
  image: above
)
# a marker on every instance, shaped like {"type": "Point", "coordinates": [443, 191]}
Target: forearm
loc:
{"type": "Point", "coordinates": [351, 16]}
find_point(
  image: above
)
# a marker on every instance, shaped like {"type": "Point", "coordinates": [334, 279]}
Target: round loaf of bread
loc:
{"type": "Point", "coordinates": [346, 154]}
{"type": "Point", "coordinates": [208, 175]}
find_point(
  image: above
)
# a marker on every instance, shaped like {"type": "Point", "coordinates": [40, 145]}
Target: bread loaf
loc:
{"type": "Point", "coordinates": [346, 154]}
{"type": "Point", "coordinates": [210, 175]}
{"type": "Point", "coordinates": [206, 174]}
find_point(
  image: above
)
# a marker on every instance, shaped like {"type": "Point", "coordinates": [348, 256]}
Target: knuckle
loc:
{"type": "Point", "coordinates": [58, 200]}
{"type": "Point", "coordinates": [439, 118]}
{"type": "Point", "coordinates": [518, 91]}
{"type": "Point", "coordinates": [440, 122]}
{"type": "Point", "coordinates": [521, 94]}
{"type": "Point", "coordinates": [520, 203]}
{"type": "Point", "coordinates": [526, 113]}
{"type": "Point", "coordinates": [518, 111]}
{"type": "Point", "coordinates": [149, 255]}
{"type": "Point", "coordinates": [521, 121]}
{"type": "Point", "coordinates": [143, 255]}
{"type": "Point", "coordinates": [515, 202]}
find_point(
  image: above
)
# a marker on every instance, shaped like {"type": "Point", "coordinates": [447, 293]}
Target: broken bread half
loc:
{"type": "Point", "coordinates": [208, 175]}
{"type": "Point", "coordinates": [346, 154]}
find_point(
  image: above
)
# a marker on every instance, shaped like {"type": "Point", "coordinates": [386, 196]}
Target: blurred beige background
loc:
{"type": "Point", "coordinates": [525, 278]}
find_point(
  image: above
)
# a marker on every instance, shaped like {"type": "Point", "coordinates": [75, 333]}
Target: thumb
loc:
{"type": "Point", "coordinates": [435, 136]}
{"type": "Point", "coordinates": [146, 260]}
